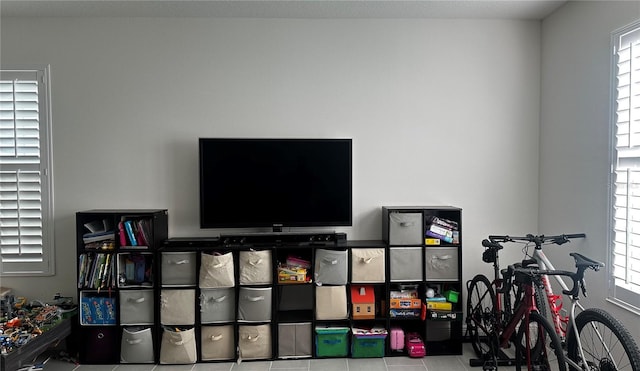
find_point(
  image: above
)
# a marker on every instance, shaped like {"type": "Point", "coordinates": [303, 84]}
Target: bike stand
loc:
{"type": "Point", "coordinates": [502, 359]}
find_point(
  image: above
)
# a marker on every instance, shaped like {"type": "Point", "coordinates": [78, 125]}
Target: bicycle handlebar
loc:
{"type": "Point", "coordinates": [537, 240]}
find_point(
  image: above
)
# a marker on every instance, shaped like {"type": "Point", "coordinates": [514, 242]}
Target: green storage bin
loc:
{"type": "Point", "coordinates": [367, 346]}
{"type": "Point", "coordinates": [332, 342]}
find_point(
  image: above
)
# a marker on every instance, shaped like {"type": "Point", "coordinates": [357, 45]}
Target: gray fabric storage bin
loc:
{"type": "Point", "coordinates": [216, 270]}
{"type": "Point", "coordinates": [177, 307]}
{"type": "Point", "coordinates": [331, 267]}
{"type": "Point", "coordinates": [254, 304]}
{"type": "Point", "coordinates": [254, 342]}
{"type": "Point", "coordinates": [217, 343]}
{"type": "Point", "coordinates": [405, 228]}
{"type": "Point", "coordinates": [405, 263]}
{"type": "Point", "coordinates": [136, 346]}
{"type": "Point", "coordinates": [441, 263]}
{"type": "Point", "coordinates": [255, 267]}
{"type": "Point", "coordinates": [217, 305]}
{"type": "Point", "coordinates": [178, 269]}
{"type": "Point", "coordinates": [136, 307]}
{"type": "Point", "coordinates": [294, 340]}
{"type": "Point", "coordinates": [178, 347]}
{"type": "Point", "coordinates": [367, 265]}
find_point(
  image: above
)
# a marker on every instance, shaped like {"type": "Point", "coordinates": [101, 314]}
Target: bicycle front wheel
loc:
{"type": "Point", "coordinates": [606, 343]}
{"type": "Point", "coordinates": [480, 311]}
{"type": "Point", "coordinates": [540, 350]}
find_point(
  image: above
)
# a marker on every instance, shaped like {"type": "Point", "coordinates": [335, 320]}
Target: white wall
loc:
{"type": "Point", "coordinates": [440, 112]}
{"type": "Point", "coordinates": [574, 133]}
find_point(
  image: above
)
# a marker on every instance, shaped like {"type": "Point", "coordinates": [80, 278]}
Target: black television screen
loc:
{"type": "Point", "coordinates": [275, 182]}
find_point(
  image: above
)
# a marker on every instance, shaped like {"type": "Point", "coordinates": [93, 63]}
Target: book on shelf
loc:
{"type": "Point", "coordinates": [98, 230]}
{"type": "Point", "coordinates": [135, 233]}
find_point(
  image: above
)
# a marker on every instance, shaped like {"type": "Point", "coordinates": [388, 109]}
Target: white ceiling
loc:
{"type": "Point", "coordinates": [500, 9]}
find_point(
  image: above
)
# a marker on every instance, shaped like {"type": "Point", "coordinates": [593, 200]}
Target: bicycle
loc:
{"type": "Point", "coordinates": [498, 295]}
{"type": "Point", "coordinates": [536, 342]}
{"type": "Point", "coordinates": [595, 340]}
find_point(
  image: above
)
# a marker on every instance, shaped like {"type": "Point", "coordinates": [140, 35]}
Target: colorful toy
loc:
{"type": "Point", "coordinates": [414, 345]}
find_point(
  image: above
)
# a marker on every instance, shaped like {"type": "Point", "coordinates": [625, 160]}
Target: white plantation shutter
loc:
{"type": "Point", "coordinates": [25, 178]}
{"type": "Point", "coordinates": [625, 285]}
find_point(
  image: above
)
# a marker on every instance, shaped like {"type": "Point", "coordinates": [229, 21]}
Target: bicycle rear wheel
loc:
{"type": "Point", "coordinates": [480, 300]}
{"type": "Point", "coordinates": [540, 350]}
{"type": "Point", "coordinates": [606, 343]}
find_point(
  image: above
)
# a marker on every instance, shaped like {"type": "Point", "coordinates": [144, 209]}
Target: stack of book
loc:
{"type": "Point", "coordinates": [99, 235]}
{"type": "Point", "coordinates": [442, 229]}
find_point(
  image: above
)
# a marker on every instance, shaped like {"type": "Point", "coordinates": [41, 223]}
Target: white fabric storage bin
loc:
{"type": "Point", "coordinates": [331, 302]}
{"type": "Point", "coordinates": [254, 304]}
{"type": "Point", "coordinates": [331, 267]}
{"type": "Point", "coordinates": [177, 306]}
{"type": "Point", "coordinates": [136, 346]}
{"type": "Point", "coordinates": [441, 263]}
{"type": "Point", "coordinates": [136, 307]}
{"type": "Point", "coordinates": [255, 267]}
{"type": "Point", "coordinates": [254, 342]}
{"type": "Point", "coordinates": [217, 270]}
{"type": "Point", "coordinates": [217, 343]}
{"type": "Point", "coordinates": [178, 269]}
{"type": "Point", "coordinates": [405, 228]}
{"type": "Point", "coordinates": [178, 347]}
{"type": "Point", "coordinates": [367, 265]}
{"type": "Point", "coordinates": [405, 263]}
{"type": "Point", "coordinates": [294, 340]}
{"type": "Point", "coordinates": [217, 305]}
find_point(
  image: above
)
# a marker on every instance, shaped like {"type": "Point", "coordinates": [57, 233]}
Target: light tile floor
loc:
{"type": "Point", "coordinates": [433, 363]}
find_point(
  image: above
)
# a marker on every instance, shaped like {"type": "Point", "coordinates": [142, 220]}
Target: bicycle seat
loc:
{"type": "Point", "coordinates": [583, 261]}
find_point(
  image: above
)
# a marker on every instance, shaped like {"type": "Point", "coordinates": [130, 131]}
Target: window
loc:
{"type": "Point", "coordinates": [625, 252]}
{"type": "Point", "coordinates": [26, 207]}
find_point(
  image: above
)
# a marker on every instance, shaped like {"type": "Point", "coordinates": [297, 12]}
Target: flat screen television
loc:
{"type": "Point", "coordinates": [275, 182]}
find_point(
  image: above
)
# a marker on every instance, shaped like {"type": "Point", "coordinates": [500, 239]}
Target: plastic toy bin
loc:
{"type": "Point", "coordinates": [368, 344]}
{"type": "Point", "coordinates": [332, 341]}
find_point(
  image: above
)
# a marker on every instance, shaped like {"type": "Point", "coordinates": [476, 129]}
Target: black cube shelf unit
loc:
{"type": "Point", "coordinates": [225, 299]}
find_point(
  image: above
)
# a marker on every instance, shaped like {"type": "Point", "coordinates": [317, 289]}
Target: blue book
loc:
{"type": "Point", "coordinates": [132, 237]}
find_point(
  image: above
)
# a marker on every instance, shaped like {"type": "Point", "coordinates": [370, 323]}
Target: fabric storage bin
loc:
{"type": "Point", "coordinates": [217, 343]}
{"type": "Point", "coordinates": [438, 330]}
{"type": "Point", "coordinates": [405, 263]}
{"type": "Point", "coordinates": [332, 342]}
{"type": "Point", "coordinates": [441, 263]}
{"type": "Point", "coordinates": [331, 302]}
{"type": "Point", "coordinates": [254, 342]}
{"type": "Point", "coordinates": [217, 305]}
{"type": "Point", "coordinates": [254, 304]}
{"type": "Point", "coordinates": [178, 269]}
{"type": "Point", "coordinates": [367, 265]}
{"type": "Point", "coordinates": [294, 340]}
{"type": "Point", "coordinates": [331, 267]}
{"type": "Point", "coordinates": [178, 347]}
{"type": "Point", "coordinates": [405, 228]}
{"type": "Point", "coordinates": [295, 297]}
{"type": "Point", "coordinates": [255, 267]}
{"type": "Point", "coordinates": [136, 307]}
{"type": "Point", "coordinates": [136, 346]}
{"type": "Point", "coordinates": [217, 270]}
{"type": "Point", "coordinates": [177, 307]}
{"type": "Point", "coordinates": [99, 345]}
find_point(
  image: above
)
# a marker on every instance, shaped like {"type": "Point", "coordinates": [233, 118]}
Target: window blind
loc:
{"type": "Point", "coordinates": [23, 174]}
{"type": "Point", "coordinates": [626, 204]}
